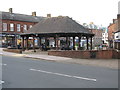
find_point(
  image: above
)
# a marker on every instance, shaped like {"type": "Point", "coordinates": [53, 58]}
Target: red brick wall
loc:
{"type": "Point", "coordinates": [111, 29]}
{"type": "Point", "coordinates": [15, 25]}
{"type": "Point", "coordinates": [102, 54]}
{"type": "Point", "coordinates": [0, 25]}
{"type": "Point", "coordinates": [118, 17]}
{"type": "Point", "coordinates": [106, 54]}
{"type": "Point", "coordinates": [71, 54]}
{"type": "Point", "coordinates": [116, 54]}
{"type": "Point", "coordinates": [98, 33]}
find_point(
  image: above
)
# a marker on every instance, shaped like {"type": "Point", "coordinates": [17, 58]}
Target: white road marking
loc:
{"type": "Point", "coordinates": [77, 77]}
{"type": "Point", "coordinates": [2, 82]}
{"type": "Point", "coordinates": [2, 64]}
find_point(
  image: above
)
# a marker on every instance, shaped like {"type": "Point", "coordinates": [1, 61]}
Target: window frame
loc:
{"type": "Point", "coordinates": [18, 28]}
{"type": "Point", "coordinates": [3, 28]}
{"type": "Point", "coordinates": [24, 27]}
{"type": "Point", "coordinates": [12, 28]}
{"type": "Point", "coordinates": [30, 26]}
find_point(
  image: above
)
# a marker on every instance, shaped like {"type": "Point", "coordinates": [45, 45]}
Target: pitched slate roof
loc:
{"type": "Point", "coordinates": [57, 25]}
{"type": "Point", "coordinates": [20, 17]}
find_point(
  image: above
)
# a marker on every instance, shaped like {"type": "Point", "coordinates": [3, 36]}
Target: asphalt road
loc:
{"type": "Point", "coordinates": [30, 73]}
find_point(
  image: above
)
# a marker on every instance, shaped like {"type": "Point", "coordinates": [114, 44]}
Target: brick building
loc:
{"type": "Point", "coordinates": [101, 34]}
{"type": "Point", "coordinates": [117, 34]}
{"type": "Point", "coordinates": [13, 24]}
{"type": "Point", "coordinates": [97, 39]}
{"type": "Point", "coordinates": [105, 37]}
{"type": "Point", "coordinates": [111, 29]}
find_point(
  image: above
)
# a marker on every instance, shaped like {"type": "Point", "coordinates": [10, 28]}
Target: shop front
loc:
{"type": "Point", "coordinates": [117, 40]}
{"type": "Point", "coordinates": [9, 40]}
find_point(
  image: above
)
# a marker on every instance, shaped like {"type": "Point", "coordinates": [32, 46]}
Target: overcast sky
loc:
{"type": "Point", "coordinates": [83, 11]}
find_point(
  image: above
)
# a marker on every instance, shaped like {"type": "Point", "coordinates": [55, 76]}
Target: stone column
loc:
{"type": "Point", "coordinates": [27, 46]}
{"type": "Point", "coordinates": [87, 43]}
{"type": "Point", "coordinates": [34, 43]}
{"type": "Point", "coordinates": [91, 43]}
{"type": "Point", "coordinates": [39, 43]}
{"type": "Point", "coordinates": [79, 45]}
{"type": "Point", "coordinates": [73, 43]}
{"type": "Point", "coordinates": [45, 42]}
{"type": "Point", "coordinates": [57, 46]}
{"type": "Point", "coordinates": [15, 40]}
{"type": "Point", "coordinates": [22, 43]}
{"type": "Point", "coordinates": [67, 41]}
{"type": "Point", "coordinates": [7, 40]}
{"type": "Point", "coordinates": [56, 42]}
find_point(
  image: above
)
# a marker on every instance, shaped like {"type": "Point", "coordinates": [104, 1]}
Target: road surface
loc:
{"type": "Point", "coordinates": [21, 72]}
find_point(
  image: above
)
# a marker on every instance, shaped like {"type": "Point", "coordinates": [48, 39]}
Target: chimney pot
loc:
{"type": "Point", "coordinates": [48, 15]}
{"type": "Point", "coordinates": [10, 10]}
{"type": "Point", "coordinates": [33, 13]}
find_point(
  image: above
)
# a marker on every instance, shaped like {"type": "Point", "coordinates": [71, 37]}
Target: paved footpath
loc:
{"type": "Point", "coordinates": [111, 63]}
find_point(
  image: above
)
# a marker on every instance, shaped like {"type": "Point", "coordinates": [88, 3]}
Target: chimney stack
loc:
{"type": "Point", "coordinates": [10, 10]}
{"type": "Point", "coordinates": [33, 13]}
{"type": "Point", "coordinates": [114, 20]}
{"type": "Point", "coordinates": [49, 15]}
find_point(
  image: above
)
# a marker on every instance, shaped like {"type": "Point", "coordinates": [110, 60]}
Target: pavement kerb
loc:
{"type": "Point", "coordinates": [58, 60]}
{"type": "Point", "coordinates": [76, 62]}
{"type": "Point", "coordinates": [28, 56]}
{"type": "Point", "coordinates": [38, 58]}
{"type": "Point", "coordinates": [50, 58]}
{"type": "Point", "coordinates": [13, 54]}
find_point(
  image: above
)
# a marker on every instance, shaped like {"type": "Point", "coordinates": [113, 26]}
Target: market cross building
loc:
{"type": "Point", "coordinates": [13, 24]}
{"type": "Point", "coordinates": [56, 28]}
